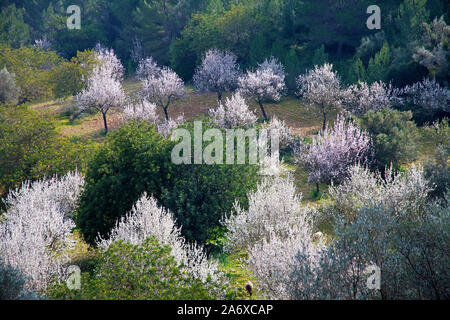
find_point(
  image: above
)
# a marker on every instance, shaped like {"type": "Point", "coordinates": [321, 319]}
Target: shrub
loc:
{"type": "Point", "coordinates": [146, 271]}
{"type": "Point", "coordinates": [36, 233]}
{"type": "Point", "coordinates": [32, 148]}
{"type": "Point", "coordinates": [12, 283]}
{"type": "Point", "coordinates": [438, 173]}
{"type": "Point", "coordinates": [9, 91]}
{"type": "Point", "coordinates": [133, 159]}
{"type": "Point", "coordinates": [394, 137]}
{"type": "Point", "coordinates": [148, 219]}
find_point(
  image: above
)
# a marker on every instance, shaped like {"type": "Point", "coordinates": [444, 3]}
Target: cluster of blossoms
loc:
{"type": "Point", "coordinates": [428, 94]}
{"type": "Point", "coordinates": [148, 219]}
{"type": "Point", "coordinates": [334, 150]}
{"type": "Point", "coordinates": [218, 73]}
{"type": "Point", "coordinates": [396, 191]}
{"type": "Point", "coordinates": [266, 83]}
{"type": "Point", "coordinates": [322, 86]}
{"type": "Point", "coordinates": [234, 113]}
{"type": "Point", "coordinates": [272, 230]}
{"type": "Point", "coordinates": [163, 88]}
{"type": "Point", "coordinates": [142, 111]}
{"type": "Point", "coordinates": [285, 135]}
{"type": "Point", "coordinates": [36, 233]}
{"type": "Point", "coordinates": [104, 89]}
{"type": "Point", "coordinates": [362, 97]}
{"type": "Point", "coordinates": [147, 67]}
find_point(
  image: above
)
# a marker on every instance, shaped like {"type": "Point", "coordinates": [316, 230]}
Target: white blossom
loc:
{"type": "Point", "coordinates": [164, 88]}
{"type": "Point", "coordinates": [148, 219]}
{"type": "Point", "coordinates": [36, 231]}
{"type": "Point", "coordinates": [234, 113]}
{"type": "Point", "coordinates": [218, 73]}
{"type": "Point", "coordinates": [322, 87]}
{"type": "Point", "coordinates": [362, 97]}
{"type": "Point", "coordinates": [428, 94]}
{"type": "Point", "coordinates": [286, 137]}
{"type": "Point", "coordinates": [142, 111]}
{"type": "Point", "coordinates": [263, 84]}
{"type": "Point", "coordinates": [147, 67]}
{"type": "Point", "coordinates": [103, 89]}
{"type": "Point", "coordinates": [334, 150]}
{"type": "Point", "coordinates": [273, 64]}
{"type": "Point", "coordinates": [165, 127]}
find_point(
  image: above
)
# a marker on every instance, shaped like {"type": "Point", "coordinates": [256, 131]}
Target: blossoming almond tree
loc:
{"type": "Point", "coordinates": [148, 219]}
{"type": "Point", "coordinates": [146, 68]}
{"type": "Point", "coordinates": [37, 226]}
{"type": "Point", "coordinates": [362, 97]}
{"type": "Point", "coordinates": [218, 73]}
{"type": "Point", "coordinates": [428, 94]}
{"type": "Point", "coordinates": [235, 112]}
{"type": "Point", "coordinates": [322, 86]}
{"type": "Point", "coordinates": [266, 83]}
{"type": "Point", "coordinates": [164, 88]}
{"type": "Point", "coordinates": [103, 90]}
{"type": "Point", "coordinates": [334, 150]}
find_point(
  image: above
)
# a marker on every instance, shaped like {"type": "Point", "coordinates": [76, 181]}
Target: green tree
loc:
{"type": "Point", "coordinates": [13, 30]}
{"type": "Point", "coordinates": [357, 72]}
{"type": "Point", "coordinates": [394, 136]}
{"type": "Point", "coordinates": [32, 149]}
{"type": "Point", "coordinates": [132, 160]}
{"type": "Point", "coordinates": [378, 67]}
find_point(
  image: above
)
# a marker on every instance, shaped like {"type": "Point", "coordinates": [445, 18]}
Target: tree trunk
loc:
{"type": "Point", "coordinates": [165, 113]}
{"type": "Point", "coordinates": [317, 187]}
{"type": "Point", "coordinates": [324, 124]}
{"type": "Point", "coordinates": [262, 110]}
{"type": "Point", "coordinates": [219, 97]}
{"type": "Point", "coordinates": [105, 123]}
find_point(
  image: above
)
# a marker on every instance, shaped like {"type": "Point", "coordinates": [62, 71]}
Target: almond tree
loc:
{"type": "Point", "coordinates": [266, 83]}
{"type": "Point", "coordinates": [164, 88]}
{"type": "Point", "coordinates": [362, 97]}
{"type": "Point", "coordinates": [235, 112]}
{"type": "Point", "coordinates": [146, 68]}
{"type": "Point", "coordinates": [428, 94]}
{"type": "Point", "coordinates": [334, 150]}
{"type": "Point", "coordinates": [218, 73]}
{"type": "Point", "coordinates": [35, 231]}
{"type": "Point", "coordinates": [103, 89]}
{"type": "Point", "coordinates": [322, 87]}
{"type": "Point", "coordinates": [148, 219]}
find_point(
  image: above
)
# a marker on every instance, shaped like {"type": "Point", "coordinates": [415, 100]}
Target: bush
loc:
{"type": "Point", "coordinates": [32, 148]}
{"type": "Point", "coordinates": [134, 159]}
{"type": "Point", "coordinates": [12, 283]}
{"type": "Point", "coordinates": [33, 70]}
{"type": "Point", "coordinates": [126, 271]}
{"type": "Point", "coordinates": [438, 173]}
{"type": "Point", "coordinates": [9, 91]}
{"type": "Point", "coordinates": [203, 193]}
{"type": "Point", "coordinates": [394, 137]}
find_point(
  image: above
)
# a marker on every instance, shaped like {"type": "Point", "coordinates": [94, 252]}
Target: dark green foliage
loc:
{"type": "Point", "coordinates": [31, 148]}
{"type": "Point", "coordinates": [203, 193]}
{"type": "Point", "coordinates": [133, 159]}
{"type": "Point", "coordinates": [13, 30]}
{"type": "Point", "coordinates": [12, 283]}
{"type": "Point", "coordinates": [438, 173]}
{"type": "Point", "coordinates": [136, 272]}
{"type": "Point", "coordinates": [394, 137]}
